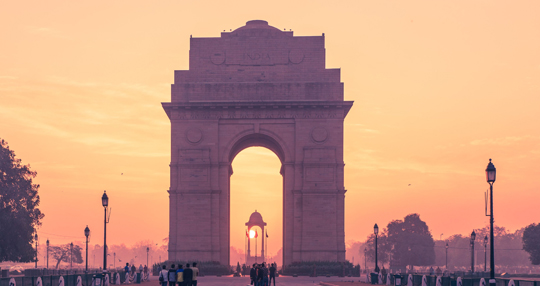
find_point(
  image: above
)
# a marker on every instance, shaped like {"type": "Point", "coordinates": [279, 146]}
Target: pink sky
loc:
{"type": "Point", "coordinates": [439, 88]}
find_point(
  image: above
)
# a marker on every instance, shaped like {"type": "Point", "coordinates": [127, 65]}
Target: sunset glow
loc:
{"type": "Point", "coordinates": [439, 89]}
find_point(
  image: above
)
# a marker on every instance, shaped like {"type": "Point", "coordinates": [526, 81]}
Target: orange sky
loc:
{"type": "Point", "coordinates": [439, 88]}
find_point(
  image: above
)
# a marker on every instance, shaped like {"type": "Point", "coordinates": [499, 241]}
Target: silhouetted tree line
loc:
{"type": "Point", "coordinates": [409, 243]}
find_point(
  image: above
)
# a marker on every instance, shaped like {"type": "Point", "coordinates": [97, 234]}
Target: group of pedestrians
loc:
{"type": "Point", "coordinates": [179, 276]}
{"type": "Point", "coordinates": [131, 273]}
{"type": "Point", "coordinates": [261, 275]}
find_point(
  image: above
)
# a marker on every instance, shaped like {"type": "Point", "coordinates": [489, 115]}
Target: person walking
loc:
{"type": "Point", "coordinates": [272, 272]}
{"type": "Point", "coordinates": [163, 275]}
{"type": "Point", "coordinates": [253, 275]}
{"type": "Point", "coordinates": [171, 276]}
{"type": "Point", "coordinates": [188, 275]}
{"type": "Point", "coordinates": [195, 274]}
{"type": "Point", "coordinates": [180, 275]}
{"type": "Point", "coordinates": [126, 269]}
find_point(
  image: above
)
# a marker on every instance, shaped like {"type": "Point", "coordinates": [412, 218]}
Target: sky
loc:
{"type": "Point", "coordinates": [439, 88]}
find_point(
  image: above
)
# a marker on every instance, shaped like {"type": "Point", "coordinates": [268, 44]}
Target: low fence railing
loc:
{"type": "Point", "coordinates": [451, 280]}
{"type": "Point", "coordinates": [85, 279]}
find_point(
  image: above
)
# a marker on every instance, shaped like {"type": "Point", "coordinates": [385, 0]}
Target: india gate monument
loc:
{"type": "Point", "coordinates": [257, 86]}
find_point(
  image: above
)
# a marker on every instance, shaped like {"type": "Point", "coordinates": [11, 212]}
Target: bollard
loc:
{"type": "Point", "coordinates": [397, 280]}
{"type": "Point", "coordinates": [96, 280]}
{"type": "Point", "coordinates": [374, 277]}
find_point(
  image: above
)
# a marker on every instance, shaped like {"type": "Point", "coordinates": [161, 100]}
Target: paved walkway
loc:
{"type": "Point", "coordinates": [280, 281]}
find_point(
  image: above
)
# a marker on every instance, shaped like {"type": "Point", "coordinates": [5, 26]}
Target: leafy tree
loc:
{"type": "Point", "coordinates": [62, 253]}
{"type": "Point", "coordinates": [19, 213]}
{"type": "Point", "coordinates": [411, 242]}
{"type": "Point", "coordinates": [531, 242]}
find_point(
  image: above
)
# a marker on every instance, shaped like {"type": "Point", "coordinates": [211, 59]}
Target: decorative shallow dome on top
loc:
{"type": "Point", "coordinates": [256, 24]}
{"type": "Point", "coordinates": [255, 219]}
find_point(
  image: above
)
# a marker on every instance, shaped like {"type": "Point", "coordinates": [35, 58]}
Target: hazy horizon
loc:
{"type": "Point", "coordinates": [439, 89]}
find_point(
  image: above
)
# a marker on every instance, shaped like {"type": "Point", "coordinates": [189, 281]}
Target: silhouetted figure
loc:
{"type": "Point", "coordinates": [265, 274]}
{"type": "Point", "coordinates": [259, 275]}
{"type": "Point", "coordinates": [272, 271]}
{"type": "Point", "coordinates": [180, 275]}
{"type": "Point", "coordinates": [162, 275]}
{"type": "Point", "coordinates": [188, 275]}
{"type": "Point", "coordinates": [172, 276]}
{"type": "Point", "coordinates": [195, 274]}
{"type": "Point", "coordinates": [253, 275]}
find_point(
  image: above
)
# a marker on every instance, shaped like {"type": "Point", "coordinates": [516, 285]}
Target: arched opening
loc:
{"type": "Point", "coordinates": [256, 185]}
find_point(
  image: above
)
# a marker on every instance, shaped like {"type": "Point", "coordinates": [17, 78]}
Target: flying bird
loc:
{"type": "Point", "coordinates": [409, 185]}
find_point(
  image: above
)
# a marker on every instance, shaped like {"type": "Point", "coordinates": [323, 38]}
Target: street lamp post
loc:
{"type": "Point", "coordinates": [36, 239]}
{"type": "Point", "coordinates": [71, 256]}
{"type": "Point", "coordinates": [485, 255]}
{"type": "Point", "coordinates": [47, 253]}
{"type": "Point", "coordinates": [105, 203]}
{"type": "Point", "coordinates": [365, 259]}
{"type": "Point", "coordinates": [87, 234]}
{"type": "Point", "coordinates": [446, 264]}
{"type": "Point", "coordinates": [473, 237]}
{"type": "Point", "coordinates": [490, 177]}
{"type": "Point", "coordinates": [147, 252]}
{"type": "Point", "coordinates": [376, 231]}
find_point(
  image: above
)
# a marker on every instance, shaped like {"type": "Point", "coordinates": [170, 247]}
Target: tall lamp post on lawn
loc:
{"type": "Point", "coordinates": [87, 234]}
{"type": "Point", "coordinates": [147, 252]}
{"type": "Point", "coordinates": [446, 264]}
{"type": "Point", "coordinates": [376, 231]}
{"type": "Point", "coordinates": [36, 239]}
{"type": "Point", "coordinates": [473, 237]}
{"type": "Point", "coordinates": [71, 256]}
{"type": "Point", "coordinates": [490, 177]}
{"type": "Point", "coordinates": [365, 259]}
{"type": "Point", "coordinates": [105, 203]}
{"type": "Point", "coordinates": [47, 253]}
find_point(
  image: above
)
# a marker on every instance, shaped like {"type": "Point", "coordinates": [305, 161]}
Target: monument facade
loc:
{"type": "Point", "coordinates": [257, 86]}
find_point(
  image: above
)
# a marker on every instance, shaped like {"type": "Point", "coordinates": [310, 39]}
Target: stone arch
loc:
{"type": "Point", "coordinates": [248, 138]}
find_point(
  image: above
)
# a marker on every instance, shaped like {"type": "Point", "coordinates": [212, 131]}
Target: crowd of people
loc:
{"type": "Point", "coordinates": [179, 276]}
{"type": "Point", "coordinates": [261, 275]}
{"type": "Point", "coordinates": [131, 273]}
